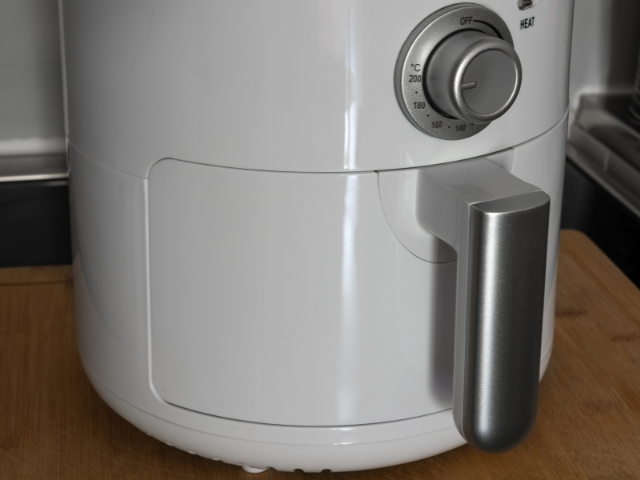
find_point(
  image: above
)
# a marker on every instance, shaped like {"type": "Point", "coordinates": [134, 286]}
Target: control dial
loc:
{"type": "Point", "coordinates": [457, 72]}
{"type": "Point", "coordinates": [473, 76]}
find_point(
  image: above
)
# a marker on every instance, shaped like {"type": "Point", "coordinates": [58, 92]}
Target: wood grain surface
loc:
{"type": "Point", "coordinates": [54, 426]}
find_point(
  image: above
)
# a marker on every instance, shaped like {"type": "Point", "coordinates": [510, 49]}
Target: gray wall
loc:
{"type": "Point", "coordinates": [604, 51]}
{"type": "Point", "coordinates": [30, 72]}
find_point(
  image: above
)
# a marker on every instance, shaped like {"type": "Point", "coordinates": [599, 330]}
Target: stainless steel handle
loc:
{"type": "Point", "coordinates": [498, 225]}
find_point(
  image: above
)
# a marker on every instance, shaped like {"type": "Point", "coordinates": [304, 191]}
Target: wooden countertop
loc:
{"type": "Point", "coordinates": [53, 424]}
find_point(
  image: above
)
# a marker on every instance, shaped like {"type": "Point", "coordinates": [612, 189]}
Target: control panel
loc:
{"type": "Point", "coordinates": [457, 72]}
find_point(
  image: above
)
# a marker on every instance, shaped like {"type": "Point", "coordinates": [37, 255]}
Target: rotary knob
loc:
{"type": "Point", "coordinates": [457, 72]}
{"type": "Point", "coordinates": [473, 77]}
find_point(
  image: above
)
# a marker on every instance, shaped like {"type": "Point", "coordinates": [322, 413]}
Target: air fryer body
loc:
{"type": "Point", "coordinates": [252, 280]}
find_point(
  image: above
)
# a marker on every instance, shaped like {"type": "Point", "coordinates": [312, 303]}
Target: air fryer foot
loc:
{"type": "Point", "coordinates": [249, 469]}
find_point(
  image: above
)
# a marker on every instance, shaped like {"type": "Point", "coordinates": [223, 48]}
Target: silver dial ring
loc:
{"type": "Point", "coordinates": [415, 53]}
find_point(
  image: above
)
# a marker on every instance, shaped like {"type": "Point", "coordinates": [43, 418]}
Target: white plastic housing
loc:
{"type": "Point", "coordinates": [379, 356]}
{"type": "Point", "coordinates": [290, 85]}
{"type": "Point", "coordinates": [234, 297]}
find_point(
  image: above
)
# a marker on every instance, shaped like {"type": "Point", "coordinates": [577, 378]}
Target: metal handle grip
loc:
{"type": "Point", "coordinates": [499, 226]}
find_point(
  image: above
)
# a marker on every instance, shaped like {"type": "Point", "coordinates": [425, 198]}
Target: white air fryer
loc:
{"type": "Point", "coordinates": [317, 234]}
